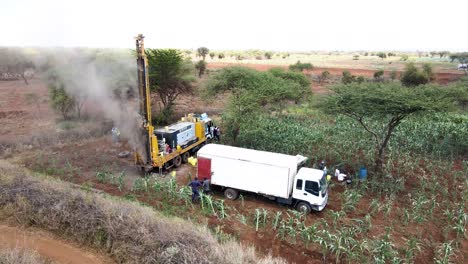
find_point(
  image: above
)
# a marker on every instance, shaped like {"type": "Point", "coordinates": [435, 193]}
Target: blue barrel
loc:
{"type": "Point", "coordinates": [362, 173]}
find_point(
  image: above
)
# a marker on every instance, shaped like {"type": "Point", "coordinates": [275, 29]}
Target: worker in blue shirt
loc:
{"type": "Point", "coordinates": [195, 184]}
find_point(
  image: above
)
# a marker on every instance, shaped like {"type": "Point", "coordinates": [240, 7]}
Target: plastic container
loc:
{"type": "Point", "coordinates": [362, 173]}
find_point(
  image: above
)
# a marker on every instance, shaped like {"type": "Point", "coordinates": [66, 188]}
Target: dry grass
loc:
{"type": "Point", "coordinates": [17, 256]}
{"type": "Point", "coordinates": [66, 132]}
{"type": "Point", "coordinates": [130, 233]}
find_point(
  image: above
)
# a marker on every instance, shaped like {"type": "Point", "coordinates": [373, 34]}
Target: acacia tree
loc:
{"type": "Point", "coordinates": [412, 76]}
{"type": "Point", "coordinates": [380, 107]}
{"type": "Point", "coordinates": [299, 66]}
{"type": "Point", "coordinates": [169, 76]}
{"type": "Point", "coordinates": [253, 92]}
{"type": "Point", "coordinates": [201, 68]}
{"type": "Point", "coordinates": [60, 100]}
{"type": "Point", "coordinates": [202, 52]}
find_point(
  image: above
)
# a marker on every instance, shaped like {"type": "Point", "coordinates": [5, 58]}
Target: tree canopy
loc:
{"type": "Point", "coordinates": [202, 52]}
{"type": "Point", "coordinates": [412, 76]}
{"type": "Point", "coordinates": [169, 76]}
{"type": "Point", "coordinates": [253, 92]}
{"type": "Point", "coordinates": [380, 107]}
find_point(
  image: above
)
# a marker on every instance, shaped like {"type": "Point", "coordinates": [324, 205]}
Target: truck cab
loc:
{"type": "Point", "coordinates": [310, 190]}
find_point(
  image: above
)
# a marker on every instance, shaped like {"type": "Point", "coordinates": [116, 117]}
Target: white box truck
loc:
{"type": "Point", "coordinates": [277, 176]}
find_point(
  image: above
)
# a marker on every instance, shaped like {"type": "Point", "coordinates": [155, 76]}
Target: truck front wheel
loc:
{"type": "Point", "coordinates": [231, 194]}
{"type": "Point", "coordinates": [303, 207]}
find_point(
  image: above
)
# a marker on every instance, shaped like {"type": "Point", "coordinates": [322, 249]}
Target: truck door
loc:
{"type": "Point", "coordinates": [204, 168]}
{"type": "Point", "coordinates": [306, 190]}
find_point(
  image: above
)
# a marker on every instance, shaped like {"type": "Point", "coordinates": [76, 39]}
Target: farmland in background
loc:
{"type": "Point", "coordinates": [416, 213]}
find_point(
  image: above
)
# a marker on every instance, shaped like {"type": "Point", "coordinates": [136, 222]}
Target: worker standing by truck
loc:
{"type": "Point", "coordinates": [206, 186]}
{"type": "Point", "coordinates": [216, 133]}
{"type": "Point", "coordinates": [195, 184]}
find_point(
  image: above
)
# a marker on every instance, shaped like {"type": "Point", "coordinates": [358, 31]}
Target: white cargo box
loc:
{"type": "Point", "coordinates": [249, 170]}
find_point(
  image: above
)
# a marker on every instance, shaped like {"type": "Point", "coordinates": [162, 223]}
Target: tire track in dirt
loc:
{"type": "Point", "coordinates": [47, 246]}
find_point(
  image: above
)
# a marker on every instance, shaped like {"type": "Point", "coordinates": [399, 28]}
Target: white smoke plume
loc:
{"type": "Point", "coordinates": [106, 80]}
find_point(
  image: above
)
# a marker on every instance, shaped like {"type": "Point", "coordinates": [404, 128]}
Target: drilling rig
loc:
{"type": "Point", "coordinates": [172, 145]}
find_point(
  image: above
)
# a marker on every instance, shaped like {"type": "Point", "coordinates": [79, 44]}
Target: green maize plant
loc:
{"type": "Point", "coordinates": [138, 185]}
{"type": "Point", "coordinates": [412, 246]}
{"type": "Point", "coordinates": [282, 230]}
{"type": "Point", "coordinates": [291, 233]}
{"type": "Point", "coordinates": [101, 177]}
{"type": "Point", "coordinates": [241, 197]}
{"type": "Point", "coordinates": [406, 216]}
{"type": "Point", "coordinates": [444, 252]}
{"type": "Point", "coordinates": [384, 251]}
{"type": "Point", "coordinates": [342, 242]}
{"type": "Point", "coordinates": [221, 207]}
{"type": "Point", "coordinates": [242, 218]}
{"type": "Point", "coordinates": [419, 208]}
{"type": "Point", "coordinates": [172, 187]}
{"type": "Point", "coordinates": [460, 222]}
{"type": "Point", "coordinates": [276, 220]}
{"type": "Point", "coordinates": [308, 234]}
{"type": "Point", "coordinates": [157, 187]}
{"type": "Point", "coordinates": [374, 206]}
{"type": "Point", "coordinates": [120, 181]}
{"type": "Point", "coordinates": [336, 215]}
{"type": "Point", "coordinates": [203, 201]}
{"type": "Point", "coordinates": [264, 216]}
{"type": "Point", "coordinates": [207, 204]}
{"type": "Point", "coordinates": [368, 222]}
{"type": "Point", "coordinates": [387, 207]}
{"type": "Point", "coordinates": [351, 198]}
{"type": "Point", "coordinates": [185, 194]}
{"type": "Point", "coordinates": [324, 238]}
{"type": "Point", "coordinates": [257, 218]}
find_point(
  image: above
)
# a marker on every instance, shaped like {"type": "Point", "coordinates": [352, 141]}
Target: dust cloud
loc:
{"type": "Point", "coordinates": [103, 82]}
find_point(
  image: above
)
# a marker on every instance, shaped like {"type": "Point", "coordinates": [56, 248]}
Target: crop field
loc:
{"type": "Point", "coordinates": [415, 212]}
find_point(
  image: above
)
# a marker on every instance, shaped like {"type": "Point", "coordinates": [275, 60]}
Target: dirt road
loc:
{"type": "Point", "coordinates": [47, 245]}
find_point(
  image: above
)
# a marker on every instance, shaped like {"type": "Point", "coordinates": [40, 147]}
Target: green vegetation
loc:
{"type": "Point", "coordinates": [201, 67]}
{"type": "Point", "coordinates": [254, 92]}
{"type": "Point", "coordinates": [378, 75]}
{"type": "Point", "coordinates": [61, 101]}
{"type": "Point", "coordinates": [381, 55]}
{"type": "Point", "coordinates": [412, 76]}
{"type": "Point", "coordinates": [300, 66]}
{"type": "Point", "coordinates": [202, 52]}
{"type": "Point", "coordinates": [169, 76]}
{"type": "Point", "coordinates": [380, 108]}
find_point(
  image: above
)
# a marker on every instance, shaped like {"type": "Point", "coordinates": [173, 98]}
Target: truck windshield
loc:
{"type": "Point", "coordinates": [312, 187]}
{"type": "Point", "coordinates": [323, 185]}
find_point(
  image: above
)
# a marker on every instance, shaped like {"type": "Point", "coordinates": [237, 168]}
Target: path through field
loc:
{"type": "Point", "coordinates": [47, 246]}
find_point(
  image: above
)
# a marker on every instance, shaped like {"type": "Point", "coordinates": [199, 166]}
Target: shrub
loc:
{"type": "Point", "coordinates": [378, 75]}
{"type": "Point", "coordinates": [347, 77]}
{"type": "Point", "coordinates": [382, 55]}
{"type": "Point", "coordinates": [412, 76]}
{"type": "Point", "coordinates": [299, 66]}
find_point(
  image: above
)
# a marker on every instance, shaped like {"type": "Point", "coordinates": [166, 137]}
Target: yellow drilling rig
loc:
{"type": "Point", "coordinates": [172, 145]}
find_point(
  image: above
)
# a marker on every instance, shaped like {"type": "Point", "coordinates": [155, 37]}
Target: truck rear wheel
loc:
{"type": "Point", "coordinates": [177, 161]}
{"type": "Point", "coordinates": [231, 194]}
{"type": "Point", "coordinates": [303, 207]}
{"type": "Point", "coordinates": [185, 157]}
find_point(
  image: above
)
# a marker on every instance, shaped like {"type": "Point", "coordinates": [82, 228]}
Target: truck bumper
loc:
{"type": "Point", "coordinates": [320, 207]}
